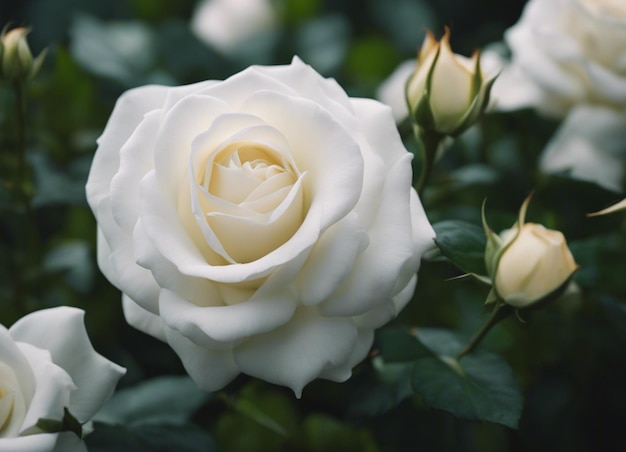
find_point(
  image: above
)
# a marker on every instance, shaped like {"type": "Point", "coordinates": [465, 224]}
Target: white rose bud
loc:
{"type": "Point", "coordinates": [447, 93]}
{"type": "Point", "coordinates": [17, 63]}
{"type": "Point", "coordinates": [528, 263]}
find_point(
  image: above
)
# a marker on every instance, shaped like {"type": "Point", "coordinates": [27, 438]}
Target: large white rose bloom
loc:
{"type": "Point", "coordinates": [47, 364]}
{"type": "Point", "coordinates": [568, 55]}
{"type": "Point", "coordinates": [265, 224]}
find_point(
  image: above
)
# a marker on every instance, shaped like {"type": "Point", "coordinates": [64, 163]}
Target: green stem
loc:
{"type": "Point", "coordinates": [430, 142]}
{"type": "Point", "coordinates": [500, 311]}
{"type": "Point", "coordinates": [22, 188]}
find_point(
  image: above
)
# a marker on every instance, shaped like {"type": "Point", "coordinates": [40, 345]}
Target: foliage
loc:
{"type": "Point", "coordinates": [557, 378]}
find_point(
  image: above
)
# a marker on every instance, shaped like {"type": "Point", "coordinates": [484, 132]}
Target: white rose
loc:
{"type": "Point", "coordinates": [566, 52]}
{"type": "Point", "coordinates": [265, 224]}
{"type": "Point", "coordinates": [48, 364]}
{"type": "Point", "coordinates": [590, 145]}
{"type": "Point", "coordinates": [224, 24]}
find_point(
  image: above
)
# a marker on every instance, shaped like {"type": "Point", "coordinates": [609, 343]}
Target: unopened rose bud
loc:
{"type": "Point", "coordinates": [17, 63]}
{"type": "Point", "coordinates": [528, 263]}
{"type": "Point", "coordinates": [447, 93]}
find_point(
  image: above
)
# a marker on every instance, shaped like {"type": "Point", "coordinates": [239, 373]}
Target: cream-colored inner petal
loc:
{"type": "Point", "coordinates": [12, 406]}
{"type": "Point", "coordinates": [250, 197]}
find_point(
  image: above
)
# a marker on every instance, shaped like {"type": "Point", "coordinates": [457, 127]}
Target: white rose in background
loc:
{"type": "Point", "coordinates": [48, 364]}
{"type": "Point", "coordinates": [392, 90]}
{"type": "Point", "coordinates": [564, 53]}
{"type": "Point", "coordinates": [568, 60]}
{"type": "Point", "coordinates": [224, 24]}
{"type": "Point", "coordinates": [590, 145]}
{"type": "Point", "coordinates": [265, 224]}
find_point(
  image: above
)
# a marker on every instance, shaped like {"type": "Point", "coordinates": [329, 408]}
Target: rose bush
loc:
{"type": "Point", "coordinates": [48, 364]}
{"type": "Point", "coordinates": [264, 224]}
{"type": "Point", "coordinates": [564, 53]}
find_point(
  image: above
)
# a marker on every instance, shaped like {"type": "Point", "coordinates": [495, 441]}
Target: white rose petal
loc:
{"type": "Point", "coordinates": [264, 224]}
{"type": "Point", "coordinates": [590, 145]}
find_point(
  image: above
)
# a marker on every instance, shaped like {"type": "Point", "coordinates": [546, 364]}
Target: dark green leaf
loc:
{"type": "Point", "coordinates": [387, 386]}
{"type": "Point", "coordinates": [479, 387]}
{"type": "Point", "coordinates": [321, 433]}
{"type": "Point", "coordinates": [399, 345]}
{"type": "Point", "coordinates": [149, 438]}
{"type": "Point", "coordinates": [463, 243]}
{"type": "Point", "coordinates": [171, 399]}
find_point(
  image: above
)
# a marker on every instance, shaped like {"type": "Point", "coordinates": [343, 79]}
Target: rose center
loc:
{"type": "Point", "coordinates": [251, 198]}
{"type": "Point", "coordinates": [7, 396]}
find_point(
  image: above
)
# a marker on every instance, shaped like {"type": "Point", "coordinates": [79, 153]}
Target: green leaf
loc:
{"type": "Point", "coordinates": [463, 243]}
{"type": "Point", "coordinates": [258, 414]}
{"type": "Point", "coordinates": [479, 387]}
{"type": "Point", "coordinates": [171, 400]}
{"type": "Point", "coordinates": [74, 261]}
{"type": "Point", "coordinates": [399, 345]}
{"type": "Point", "coordinates": [57, 185]}
{"type": "Point", "coordinates": [382, 389]}
{"type": "Point", "coordinates": [323, 42]}
{"type": "Point", "coordinates": [321, 433]}
{"type": "Point", "coordinates": [149, 438]}
{"type": "Point", "coordinates": [120, 51]}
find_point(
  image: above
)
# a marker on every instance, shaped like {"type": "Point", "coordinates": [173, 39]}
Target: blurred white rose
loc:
{"type": "Point", "coordinates": [224, 24]}
{"type": "Point", "coordinates": [568, 60]}
{"type": "Point", "coordinates": [564, 53]}
{"type": "Point", "coordinates": [47, 364]}
{"type": "Point", "coordinates": [590, 145]}
{"type": "Point", "coordinates": [264, 224]}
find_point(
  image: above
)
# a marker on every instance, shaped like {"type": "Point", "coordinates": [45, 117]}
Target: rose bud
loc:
{"type": "Point", "coordinates": [17, 63]}
{"type": "Point", "coordinates": [447, 93]}
{"type": "Point", "coordinates": [528, 263]}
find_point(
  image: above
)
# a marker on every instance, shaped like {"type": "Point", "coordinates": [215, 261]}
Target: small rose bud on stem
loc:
{"type": "Point", "coordinates": [17, 62]}
{"type": "Point", "coordinates": [527, 265]}
{"type": "Point", "coordinates": [446, 94]}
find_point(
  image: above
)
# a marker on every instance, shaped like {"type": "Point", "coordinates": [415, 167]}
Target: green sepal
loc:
{"type": "Point", "coordinates": [68, 424]}
{"type": "Point", "coordinates": [480, 101]}
{"type": "Point", "coordinates": [421, 112]}
{"type": "Point", "coordinates": [492, 296]}
{"type": "Point", "coordinates": [494, 244]}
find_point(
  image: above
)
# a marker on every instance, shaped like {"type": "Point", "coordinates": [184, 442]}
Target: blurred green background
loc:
{"type": "Point", "coordinates": [569, 358]}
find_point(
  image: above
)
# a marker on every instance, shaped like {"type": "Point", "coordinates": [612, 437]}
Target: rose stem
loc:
{"type": "Point", "coordinates": [500, 311]}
